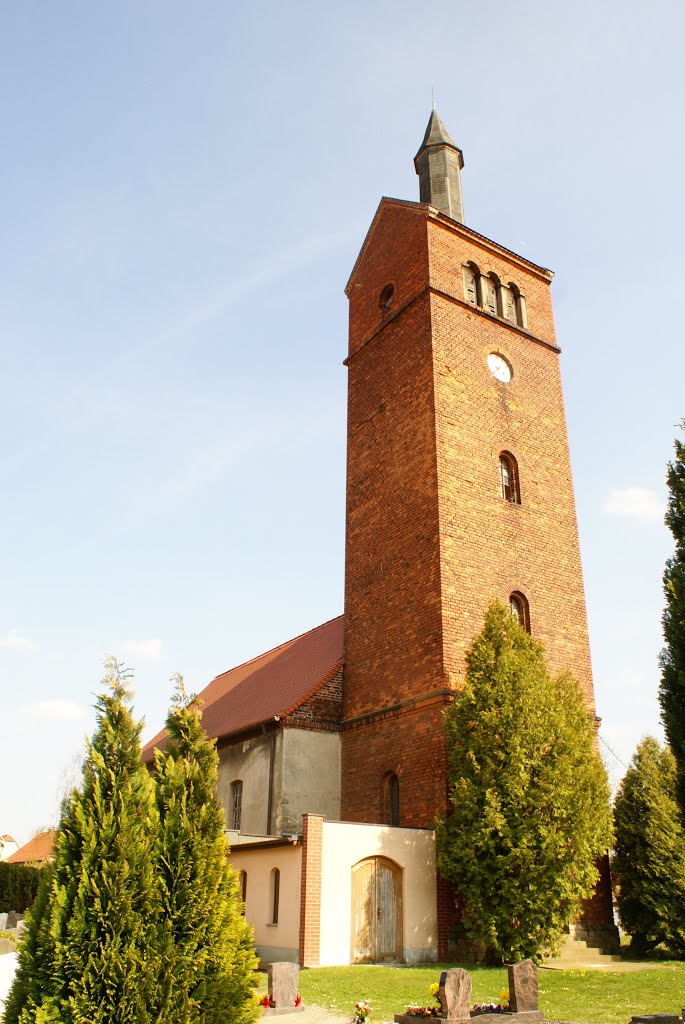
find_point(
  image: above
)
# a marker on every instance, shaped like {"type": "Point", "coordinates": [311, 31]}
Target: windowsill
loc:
{"type": "Point", "coordinates": [272, 924]}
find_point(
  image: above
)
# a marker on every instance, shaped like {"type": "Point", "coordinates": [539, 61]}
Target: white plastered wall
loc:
{"type": "Point", "coordinates": [344, 845]}
{"type": "Point", "coordinates": [274, 942]}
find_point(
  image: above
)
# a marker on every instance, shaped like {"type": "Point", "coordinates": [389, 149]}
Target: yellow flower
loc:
{"type": "Point", "coordinates": [434, 989]}
{"type": "Point", "coordinates": [504, 997]}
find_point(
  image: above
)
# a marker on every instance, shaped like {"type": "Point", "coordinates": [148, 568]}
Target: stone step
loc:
{"type": "Point", "coordinates": [576, 953]}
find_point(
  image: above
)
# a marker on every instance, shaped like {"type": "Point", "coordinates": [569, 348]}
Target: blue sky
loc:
{"type": "Point", "coordinates": [183, 191]}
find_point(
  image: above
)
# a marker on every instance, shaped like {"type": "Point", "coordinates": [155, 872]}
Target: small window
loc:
{"type": "Point", "coordinates": [236, 804]}
{"type": "Point", "coordinates": [242, 881]}
{"type": "Point", "coordinates": [509, 478]}
{"type": "Point", "coordinates": [471, 284]}
{"type": "Point", "coordinates": [519, 610]}
{"type": "Point", "coordinates": [275, 894]}
{"type": "Point", "coordinates": [516, 306]}
{"type": "Point", "coordinates": [491, 297]}
{"type": "Point", "coordinates": [386, 297]}
{"type": "Point", "coordinates": [394, 795]}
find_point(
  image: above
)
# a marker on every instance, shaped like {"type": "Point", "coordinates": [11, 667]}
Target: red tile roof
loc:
{"type": "Point", "coordinates": [37, 850]}
{"type": "Point", "coordinates": [269, 686]}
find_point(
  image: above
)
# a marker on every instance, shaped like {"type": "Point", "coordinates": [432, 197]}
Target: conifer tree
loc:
{"type": "Point", "coordinates": [672, 688]}
{"type": "Point", "coordinates": [649, 860]}
{"type": "Point", "coordinates": [529, 798]}
{"type": "Point", "coordinates": [209, 974]}
{"type": "Point", "coordinates": [95, 938]}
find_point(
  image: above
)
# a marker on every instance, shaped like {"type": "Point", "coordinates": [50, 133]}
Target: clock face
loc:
{"type": "Point", "coordinates": [499, 367]}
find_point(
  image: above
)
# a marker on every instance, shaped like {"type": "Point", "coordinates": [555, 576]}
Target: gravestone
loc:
{"type": "Point", "coordinates": [283, 981]}
{"type": "Point", "coordinates": [12, 919]}
{"type": "Point", "coordinates": [21, 927]}
{"type": "Point", "coordinates": [656, 1018]}
{"type": "Point", "coordinates": [455, 994]}
{"type": "Point", "coordinates": [523, 986]}
{"type": "Point", "coordinates": [3, 922]}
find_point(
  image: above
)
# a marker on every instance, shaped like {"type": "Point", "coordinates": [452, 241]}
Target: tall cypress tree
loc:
{"type": "Point", "coordinates": [649, 858]}
{"type": "Point", "coordinates": [529, 795]}
{"type": "Point", "coordinates": [99, 952]}
{"type": "Point", "coordinates": [672, 687]}
{"type": "Point", "coordinates": [210, 961]}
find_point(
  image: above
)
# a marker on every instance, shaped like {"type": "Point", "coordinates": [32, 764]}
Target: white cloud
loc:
{"type": "Point", "coordinates": [57, 710]}
{"type": "Point", "coordinates": [634, 503]}
{"type": "Point", "coordinates": [146, 650]}
{"type": "Point", "coordinates": [14, 641]}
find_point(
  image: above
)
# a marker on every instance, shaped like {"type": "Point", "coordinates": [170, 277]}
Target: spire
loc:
{"type": "Point", "coordinates": [438, 164]}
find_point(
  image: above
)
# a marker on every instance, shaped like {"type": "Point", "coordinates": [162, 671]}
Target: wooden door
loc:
{"type": "Point", "coordinates": [376, 911]}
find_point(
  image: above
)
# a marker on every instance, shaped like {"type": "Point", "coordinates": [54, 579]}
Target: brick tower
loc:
{"type": "Point", "coordinates": [459, 483]}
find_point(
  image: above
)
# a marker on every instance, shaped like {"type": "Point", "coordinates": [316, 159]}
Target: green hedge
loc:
{"type": "Point", "coordinates": [18, 886]}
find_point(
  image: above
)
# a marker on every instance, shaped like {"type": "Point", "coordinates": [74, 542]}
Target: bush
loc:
{"type": "Point", "coordinates": [18, 886]}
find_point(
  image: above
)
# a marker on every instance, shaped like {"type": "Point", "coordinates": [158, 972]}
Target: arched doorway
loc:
{"type": "Point", "coordinates": [376, 911]}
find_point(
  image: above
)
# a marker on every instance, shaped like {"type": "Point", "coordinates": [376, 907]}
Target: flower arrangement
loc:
{"type": "Point", "coordinates": [265, 1001]}
{"type": "Point", "coordinates": [501, 1007]}
{"type": "Point", "coordinates": [362, 1012]}
{"type": "Point", "coordinates": [422, 1011]}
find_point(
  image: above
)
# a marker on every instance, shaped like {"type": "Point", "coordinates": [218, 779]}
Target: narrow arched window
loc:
{"type": "Point", "coordinates": [509, 303]}
{"type": "Point", "coordinates": [386, 297]}
{"type": "Point", "coordinates": [242, 879]}
{"type": "Point", "coordinates": [491, 297]}
{"type": "Point", "coordinates": [509, 478]}
{"type": "Point", "coordinates": [472, 284]}
{"type": "Point", "coordinates": [516, 306]}
{"type": "Point", "coordinates": [518, 606]}
{"type": "Point", "coordinates": [394, 794]}
{"type": "Point", "coordinates": [275, 894]}
{"type": "Point", "coordinates": [236, 804]}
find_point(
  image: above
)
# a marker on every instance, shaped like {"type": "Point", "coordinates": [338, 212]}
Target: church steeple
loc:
{"type": "Point", "coordinates": [438, 164]}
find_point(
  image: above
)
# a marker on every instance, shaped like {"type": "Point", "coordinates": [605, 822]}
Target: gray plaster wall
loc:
{"type": "Point", "coordinates": [249, 762]}
{"type": "Point", "coordinates": [306, 779]}
{"type": "Point", "coordinates": [308, 776]}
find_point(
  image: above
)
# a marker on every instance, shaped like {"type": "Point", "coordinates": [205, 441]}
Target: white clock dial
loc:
{"type": "Point", "coordinates": [499, 367]}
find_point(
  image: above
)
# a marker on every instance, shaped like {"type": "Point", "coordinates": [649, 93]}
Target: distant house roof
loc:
{"type": "Point", "coordinates": [37, 850]}
{"type": "Point", "coordinates": [269, 686]}
{"type": "Point", "coordinates": [7, 839]}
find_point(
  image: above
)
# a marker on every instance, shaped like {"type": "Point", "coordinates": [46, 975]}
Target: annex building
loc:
{"type": "Point", "coordinates": [459, 490]}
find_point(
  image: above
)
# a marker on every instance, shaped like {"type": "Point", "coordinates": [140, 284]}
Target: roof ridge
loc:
{"type": "Point", "coordinates": [278, 647]}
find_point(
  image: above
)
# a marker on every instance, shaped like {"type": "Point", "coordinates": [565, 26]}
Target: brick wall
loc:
{"type": "Point", "coordinates": [310, 890]}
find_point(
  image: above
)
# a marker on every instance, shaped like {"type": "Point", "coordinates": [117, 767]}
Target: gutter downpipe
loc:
{"type": "Point", "coordinates": [272, 758]}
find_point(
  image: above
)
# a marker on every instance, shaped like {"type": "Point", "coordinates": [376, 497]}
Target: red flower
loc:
{"type": "Point", "coordinates": [298, 1000]}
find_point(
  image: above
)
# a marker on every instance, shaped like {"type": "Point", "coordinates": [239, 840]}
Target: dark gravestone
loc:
{"type": "Point", "coordinates": [656, 1018]}
{"type": "Point", "coordinates": [455, 994]}
{"type": "Point", "coordinates": [12, 919]}
{"type": "Point", "coordinates": [523, 986]}
{"type": "Point", "coordinates": [283, 981]}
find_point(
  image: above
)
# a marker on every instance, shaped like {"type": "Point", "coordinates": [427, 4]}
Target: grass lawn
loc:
{"type": "Point", "coordinates": [588, 997]}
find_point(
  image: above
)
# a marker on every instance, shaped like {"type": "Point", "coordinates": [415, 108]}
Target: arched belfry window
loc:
{"type": "Point", "coordinates": [491, 294]}
{"type": "Point", "coordinates": [509, 478]}
{"type": "Point", "coordinates": [515, 309]}
{"type": "Point", "coordinates": [518, 605]}
{"type": "Point", "coordinates": [472, 284]}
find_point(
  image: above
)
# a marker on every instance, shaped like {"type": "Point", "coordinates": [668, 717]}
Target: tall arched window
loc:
{"type": "Point", "coordinates": [386, 297]}
{"type": "Point", "coordinates": [516, 306]}
{"type": "Point", "coordinates": [491, 296]}
{"type": "Point", "coordinates": [236, 804]}
{"type": "Point", "coordinates": [472, 284]}
{"type": "Point", "coordinates": [390, 799]}
{"type": "Point", "coordinates": [275, 891]}
{"type": "Point", "coordinates": [242, 879]}
{"type": "Point", "coordinates": [518, 606]}
{"type": "Point", "coordinates": [509, 478]}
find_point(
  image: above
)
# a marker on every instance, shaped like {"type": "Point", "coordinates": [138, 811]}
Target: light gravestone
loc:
{"type": "Point", "coordinates": [3, 922]}
{"type": "Point", "coordinates": [283, 981]}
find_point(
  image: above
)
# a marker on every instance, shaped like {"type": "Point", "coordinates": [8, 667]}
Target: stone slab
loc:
{"type": "Point", "coordinates": [279, 1011]}
{"type": "Point", "coordinates": [283, 977]}
{"type": "Point", "coordinates": [523, 1017]}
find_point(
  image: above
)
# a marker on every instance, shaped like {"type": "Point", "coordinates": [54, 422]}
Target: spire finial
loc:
{"type": "Point", "coordinates": [438, 164]}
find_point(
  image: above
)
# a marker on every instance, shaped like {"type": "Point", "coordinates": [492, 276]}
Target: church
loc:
{"type": "Point", "coordinates": [459, 490]}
